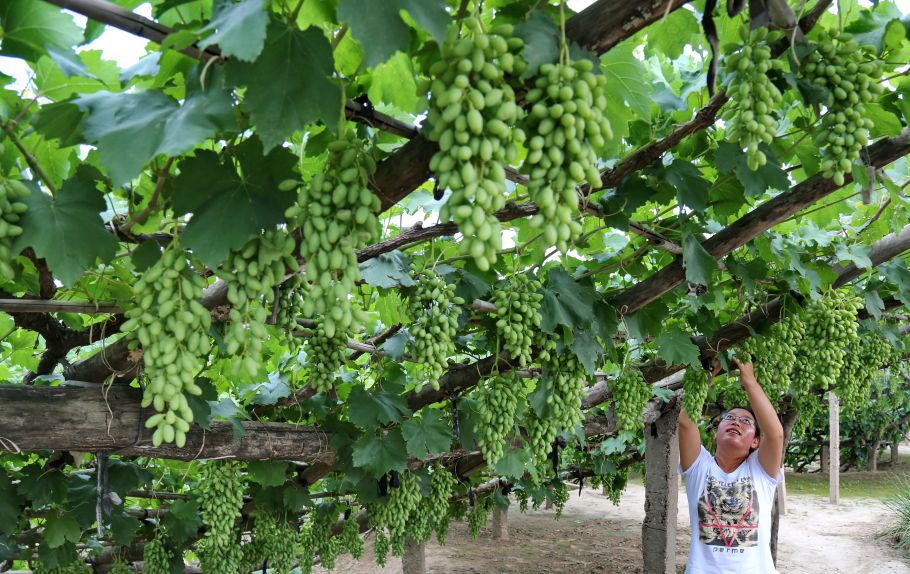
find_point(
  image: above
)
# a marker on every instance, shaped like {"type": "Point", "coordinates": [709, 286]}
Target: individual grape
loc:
{"type": "Point", "coordinates": [472, 113]}
{"type": "Point", "coordinates": [565, 127]}
{"type": "Point", "coordinates": [754, 97]}
{"type": "Point", "coordinates": [220, 493]}
{"type": "Point", "coordinates": [172, 326]}
{"type": "Point", "coordinates": [695, 387]}
{"type": "Point", "coordinates": [518, 311]}
{"type": "Point", "coordinates": [12, 208]}
{"type": "Point", "coordinates": [325, 355]}
{"type": "Point", "coordinates": [252, 272]}
{"type": "Point", "coordinates": [337, 214]}
{"type": "Point", "coordinates": [631, 394]}
{"type": "Point", "coordinates": [497, 401]}
{"type": "Point", "coordinates": [851, 75]}
{"type": "Point", "coordinates": [434, 324]}
{"type": "Point", "coordinates": [156, 558]}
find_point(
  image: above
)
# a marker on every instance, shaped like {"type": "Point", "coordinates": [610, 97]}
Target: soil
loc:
{"type": "Point", "coordinates": [595, 536]}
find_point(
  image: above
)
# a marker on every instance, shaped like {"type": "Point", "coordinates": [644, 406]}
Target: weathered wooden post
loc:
{"type": "Point", "coordinates": [833, 448]}
{"type": "Point", "coordinates": [658, 532]}
{"type": "Point", "coordinates": [500, 523]}
{"type": "Point", "coordinates": [414, 560]}
{"type": "Point", "coordinates": [823, 463]}
{"type": "Point", "coordinates": [895, 454]}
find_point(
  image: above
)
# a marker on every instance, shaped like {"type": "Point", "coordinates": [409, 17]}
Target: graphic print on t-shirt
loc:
{"type": "Point", "coordinates": [728, 514]}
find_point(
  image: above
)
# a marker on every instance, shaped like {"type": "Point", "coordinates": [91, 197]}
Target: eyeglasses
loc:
{"type": "Point", "coordinates": [745, 421]}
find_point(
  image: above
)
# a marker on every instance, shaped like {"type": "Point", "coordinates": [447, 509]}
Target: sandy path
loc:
{"type": "Point", "coordinates": [595, 536]}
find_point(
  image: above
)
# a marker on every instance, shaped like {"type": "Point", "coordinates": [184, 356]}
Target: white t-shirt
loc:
{"type": "Point", "coordinates": [730, 515]}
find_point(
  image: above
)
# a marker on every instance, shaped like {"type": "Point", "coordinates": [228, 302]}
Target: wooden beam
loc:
{"type": "Point", "coordinates": [52, 306]}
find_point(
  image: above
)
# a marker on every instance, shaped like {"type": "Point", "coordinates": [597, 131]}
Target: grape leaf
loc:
{"type": "Point", "coordinates": [512, 464]}
{"type": "Point", "coordinates": [67, 230]}
{"type": "Point", "coordinates": [874, 303]}
{"type": "Point", "coordinates": [30, 28]}
{"type": "Point", "coordinates": [394, 345]}
{"type": "Point", "coordinates": [388, 270]}
{"type": "Point", "coordinates": [271, 391]}
{"type": "Point", "coordinates": [565, 301]}
{"type": "Point", "coordinates": [393, 83]}
{"type": "Point", "coordinates": [9, 505]}
{"type": "Point", "coordinates": [586, 348]}
{"type": "Point", "coordinates": [124, 476]}
{"type": "Point", "coordinates": [626, 79]}
{"type": "Point", "coordinates": [427, 434]}
{"type": "Point", "coordinates": [238, 28]}
{"type": "Point", "coordinates": [379, 455]}
{"type": "Point", "coordinates": [288, 85]}
{"type": "Point", "coordinates": [379, 28]}
{"type": "Point", "coordinates": [691, 187]}
{"type": "Point", "coordinates": [675, 346]}
{"type": "Point", "coordinates": [730, 157]}
{"type": "Point", "coordinates": [699, 264]}
{"type": "Point", "coordinates": [268, 472]}
{"type": "Point", "coordinates": [541, 37]}
{"type": "Point", "coordinates": [369, 410]}
{"type": "Point", "coordinates": [123, 526]}
{"type": "Point", "coordinates": [59, 528]}
{"type": "Point", "coordinates": [182, 521]}
{"type": "Point", "coordinates": [227, 207]}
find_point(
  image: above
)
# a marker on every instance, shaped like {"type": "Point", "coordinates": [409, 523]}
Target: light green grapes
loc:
{"type": "Point", "coordinates": [695, 387]}
{"type": "Point", "coordinates": [252, 272]}
{"type": "Point", "coordinates": [479, 514]}
{"type": "Point", "coordinates": [436, 506]}
{"type": "Point", "coordinates": [830, 327]}
{"type": "Point", "coordinates": [336, 213]}
{"type": "Point", "coordinates": [75, 567]}
{"type": "Point", "coordinates": [351, 541]}
{"type": "Point", "coordinates": [866, 355]}
{"type": "Point", "coordinates": [316, 538]}
{"type": "Point", "coordinates": [274, 543]}
{"type": "Point", "coordinates": [172, 326]}
{"type": "Point", "coordinates": [12, 192]}
{"type": "Point", "coordinates": [774, 356]}
{"type": "Point", "coordinates": [156, 558]}
{"type": "Point", "coordinates": [498, 399]}
{"type": "Point", "coordinates": [220, 492]}
{"type": "Point", "coordinates": [851, 74]}
{"type": "Point", "coordinates": [565, 126]}
{"type": "Point", "coordinates": [518, 316]}
{"type": "Point", "coordinates": [559, 494]}
{"type": "Point", "coordinates": [754, 96]}
{"type": "Point", "coordinates": [325, 354]}
{"type": "Point", "coordinates": [396, 514]}
{"type": "Point", "coordinates": [120, 567]}
{"type": "Point", "coordinates": [432, 309]}
{"type": "Point", "coordinates": [472, 113]}
{"type": "Point", "coordinates": [630, 394]}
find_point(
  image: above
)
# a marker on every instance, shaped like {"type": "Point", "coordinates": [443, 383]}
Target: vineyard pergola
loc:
{"type": "Point", "coordinates": [317, 268]}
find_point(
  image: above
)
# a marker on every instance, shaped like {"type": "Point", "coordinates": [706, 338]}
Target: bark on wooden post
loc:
{"type": "Point", "coordinates": [895, 454]}
{"type": "Point", "coordinates": [873, 456]}
{"type": "Point", "coordinates": [500, 523]}
{"type": "Point", "coordinates": [823, 463]}
{"type": "Point", "coordinates": [414, 560]}
{"type": "Point", "coordinates": [833, 448]}
{"type": "Point", "coordinates": [658, 532]}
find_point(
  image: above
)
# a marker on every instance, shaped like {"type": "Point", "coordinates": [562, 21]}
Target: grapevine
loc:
{"type": "Point", "coordinates": [497, 399]}
{"type": "Point", "coordinates": [695, 387]}
{"type": "Point", "coordinates": [156, 558]}
{"type": "Point", "coordinates": [750, 118]}
{"type": "Point", "coordinates": [435, 324]}
{"type": "Point", "coordinates": [252, 272]}
{"type": "Point", "coordinates": [850, 74]}
{"type": "Point", "coordinates": [565, 125]}
{"type": "Point", "coordinates": [220, 491]}
{"type": "Point", "coordinates": [172, 327]}
{"type": "Point", "coordinates": [325, 355]}
{"type": "Point", "coordinates": [631, 394]}
{"type": "Point", "coordinates": [12, 192]}
{"type": "Point", "coordinates": [518, 311]}
{"type": "Point", "coordinates": [472, 111]}
{"type": "Point", "coordinates": [337, 214]}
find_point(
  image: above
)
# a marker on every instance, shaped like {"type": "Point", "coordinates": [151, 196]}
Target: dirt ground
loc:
{"type": "Point", "coordinates": [595, 536]}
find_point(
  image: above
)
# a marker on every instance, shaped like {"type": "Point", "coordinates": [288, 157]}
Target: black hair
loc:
{"type": "Point", "coordinates": [751, 412]}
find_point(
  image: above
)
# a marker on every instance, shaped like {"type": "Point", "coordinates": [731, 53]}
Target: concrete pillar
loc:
{"type": "Point", "coordinates": [500, 523]}
{"type": "Point", "coordinates": [414, 560]}
{"type": "Point", "coordinates": [658, 532]}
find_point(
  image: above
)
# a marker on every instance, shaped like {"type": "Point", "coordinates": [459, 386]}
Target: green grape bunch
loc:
{"type": "Point", "coordinates": [830, 328]}
{"type": "Point", "coordinates": [12, 208]}
{"type": "Point", "coordinates": [518, 316]}
{"type": "Point", "coordinates": [631, 394]}
{"type": "Point", "coordinates": [325, 355]}
{"type": "Point", "coordinates": [565, 128]}
{"type": "Point", "coordinates": [316, 537]}
{"type": "Point", "coordinates": [74, 567]}
{"type": "Point", "coordinates": [472, 113]}
{"type": "Point", "coordinates": [851, 75]}
{"type": "Point", "coordinates": [865, 356]}
{"type": "Point", "coordinates": [559, 494]}
{"type": "Point", "coordinates": [156, 558]}
{"type": "Point", "coordinates": [274, 543]}
{"type": "Point", "coordinates": [436, 505]}
{"type": "Point", "coordinates": [351, 541]}
{"type": "Point", "coordinates": [393, 518]}
{"type": "Point", "coordinates": [478, 515]}
{"type": "Point", "coordinates": [498, 399]}
{"type": "Point", "coordinates": [252, 272]}
{"type": "Point", "coordinates": [172, 326]}
{"type": "Point", "coordinates": [774, 356]}
{"type": "Point", "coordinates": [750, 118]}
{"type": "Point", "coordinates": [695, 389]}
{"type": "Point", "coordinates": [220, 494]}
{"type": "Point", "coordinates": [336, 213]}
{"type": "Point", "coordinates": [432, 309]}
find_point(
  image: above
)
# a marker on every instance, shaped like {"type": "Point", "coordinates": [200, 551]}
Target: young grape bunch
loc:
{"type": "Point", "coordinates": [631, 394]}
{"type": "Point", "coordinates": [172, 326]}
{"type": "Point", "coordinates": [478, 515]}
{"type": "Point", "coordinates": [12, 192]}
{"type": "Point", "coordinates": [565, 128]}
{"type": "Point", "coordinates": [325, 355]}
{"type": "Point", "coordinates": [351, 541]}
{"type": "Point", "coordinates": [497, 399]}
{"type": "Point", "coordinates": [156, 558]}
{"type": "Point", "coordinates": [695, 387]}
{"type": "Point", "coordinates": [337, 214]}
{"type": "Point", "coordinates": [252, 272]}
{"type": "Point", "coordinates": [274, 543]}
{"type": "Point", "coordinates": [220, 493]}
{"type": "Point", "coordinates": [436, 506]}
{"type": "Point", "coordinates": [518, 311]}
{"type": "Point", "coordinates": [851, 76]}
{"type": "Point", "coordinates": [472, 113]}
{"type": "Point", "coordinates": [432, 309]}
{"type": "Point", "coordinates": [393, 516]}
{"type": "Point", "coordinates": [830, 328]}
{"type": "Point", "coordinates": [750, 117]}
{"type": "Point", "coordinates": [865, 356]}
